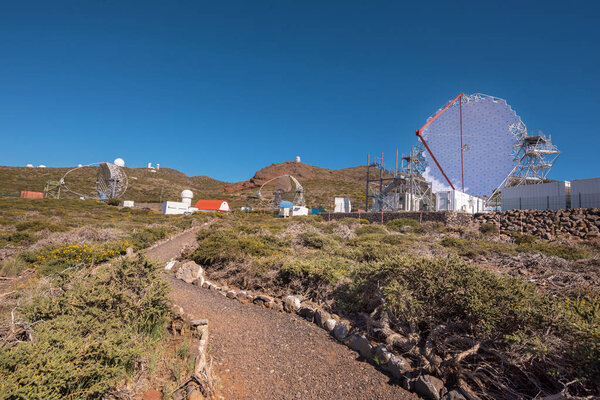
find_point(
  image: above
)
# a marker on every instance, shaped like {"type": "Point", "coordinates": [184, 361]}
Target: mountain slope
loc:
{"type": "Point", "coordinates": [321, 184]}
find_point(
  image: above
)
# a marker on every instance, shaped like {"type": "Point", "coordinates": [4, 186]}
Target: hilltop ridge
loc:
{"type": "Point", "coordinates": [321, 184]}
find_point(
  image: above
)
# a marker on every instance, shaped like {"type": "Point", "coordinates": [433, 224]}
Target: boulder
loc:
{"type": "Point", "coordinates": [199, 282]}
{"type": "Point", "coordinates": [321, 316]}
{"type": "Point", "coordinates": [329, 324]}
{"type": "Point", "coordinates": [189, 272]}
{"type": "Point", "coordinates": [169, 266]}
{"type": "Point", "coordinates": [429, 387]}
{"type": "Point", "coordinates": [361, 344]}
{"type": "Point", "coordinates": [307, 313]}
{"type": "Point", "coordinates": [242, 295]}
{"type": "Point", "coordinates": [231, 294]}
{"type": "Point", "coordinates": [397, 366]}
{"type": "Point", "coordinates": [381, 355]}
{"type": "Point", "coordinates": [264, 300]}
{"type": "Point", "coordinates": [340, 331]}
{"type": "Point", "coordinates": [454, 395]}
{"type": "Point", "coordinates": [198, 322]}
{"type": "Point", "coordinates": [291, 304]}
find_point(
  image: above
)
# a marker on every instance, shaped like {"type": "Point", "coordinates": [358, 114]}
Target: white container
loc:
{"type": "Point", "coordinates": [342, 205]}
{"type": "Point", "coordinates": [299, 210]}
{"type": "Point", "coordinates": [543, 196]}
{"type": "Point", "coordinates": [174, 207]}
{"type": "Point", "coordinates": [585, 193]}
{"type": "Point", "coordinates": [454, 200]}
{"type": "Point", "coordinates": [128, 203]}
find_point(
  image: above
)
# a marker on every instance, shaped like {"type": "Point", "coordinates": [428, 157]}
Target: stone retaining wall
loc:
{"type": "Point", "coordinates": [547, 224]}
{"type": "Point", "coordinates": [446, 217]}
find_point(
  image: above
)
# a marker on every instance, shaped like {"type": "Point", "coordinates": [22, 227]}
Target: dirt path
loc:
{"type": "Point", "coordinates": [262, 354]}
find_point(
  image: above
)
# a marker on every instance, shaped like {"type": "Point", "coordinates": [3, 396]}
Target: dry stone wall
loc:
{"type": "Point", "coordinates": [450, 218]}
{"type": "Point", "coordinates": [547, 224]}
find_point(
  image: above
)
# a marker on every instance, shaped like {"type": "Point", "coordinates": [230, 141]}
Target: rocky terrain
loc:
{"type": "Point", "coordinates": [547, 224]}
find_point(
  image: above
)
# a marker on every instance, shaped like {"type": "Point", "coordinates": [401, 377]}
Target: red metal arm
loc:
{"type": "Point", "coordinates": [419, 134]}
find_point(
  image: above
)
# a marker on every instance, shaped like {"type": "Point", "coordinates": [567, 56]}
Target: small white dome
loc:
{"type": "Point", "coordinates": [41, 166]}
{"type": "Point", "coordinates": [187, 194]}
{"type": "Point", "coordinates": [119, 162]}
{"type": "Point", "coordinates": [29, 165]}
{"type": "Point", "coordinates": [79, 165]}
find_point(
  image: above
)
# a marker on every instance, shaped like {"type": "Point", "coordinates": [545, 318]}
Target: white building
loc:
{"type": "Point", "coordinates": [180, 207]}
{"type": "Point", "coordinates": [542, 196]}
{"type": "Point", "coordinates": [294, 211]}
{"type": "Point", "coordinates": [454, 200]}
{"type": "Point", "coordinates": [585, 193]}
{"type": "Point", "coordinates": [342, 205]}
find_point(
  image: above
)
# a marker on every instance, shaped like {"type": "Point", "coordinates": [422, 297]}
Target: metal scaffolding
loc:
{"type": "Point", "coordinates": [404, 189]}
{"type": "Point", "coordinates": [534, 157]}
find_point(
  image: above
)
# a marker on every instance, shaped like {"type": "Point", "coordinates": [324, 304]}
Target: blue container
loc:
{"type": "Point", "coordinates": [286, 204]}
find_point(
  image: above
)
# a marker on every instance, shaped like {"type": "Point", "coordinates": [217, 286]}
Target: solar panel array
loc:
{"type": "Point", "coordinates": [490, 130]}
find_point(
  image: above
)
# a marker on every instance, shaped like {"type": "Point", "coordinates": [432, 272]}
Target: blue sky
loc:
{"type": "Point", "coordinates": [225, 88]}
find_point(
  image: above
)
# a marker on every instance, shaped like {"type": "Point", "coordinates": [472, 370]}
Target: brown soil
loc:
{"type": "Point", "coordinates": [262, 354]}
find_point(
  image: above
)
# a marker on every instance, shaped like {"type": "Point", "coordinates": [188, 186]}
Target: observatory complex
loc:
{"type": "Point", "coordinates": [467, 152]}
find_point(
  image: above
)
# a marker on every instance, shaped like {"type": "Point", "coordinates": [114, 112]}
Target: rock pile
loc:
{"type": "Point", "coordinates": [547, 224]}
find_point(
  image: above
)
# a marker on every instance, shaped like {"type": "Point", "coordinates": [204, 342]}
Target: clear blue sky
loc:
{"type": "Point", "coordinates": [223, 88]}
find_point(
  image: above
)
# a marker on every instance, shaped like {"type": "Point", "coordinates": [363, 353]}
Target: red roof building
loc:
{"type": "Point", "coordinates": [212, 205]}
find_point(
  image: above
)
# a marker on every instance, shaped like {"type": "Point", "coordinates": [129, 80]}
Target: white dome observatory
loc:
{"type": "Point", "coordinates": [119, 162]}
{"type": "Point", "coordinates": [186, 197]}
{"type": "Point", "coordinates": [29, 165]}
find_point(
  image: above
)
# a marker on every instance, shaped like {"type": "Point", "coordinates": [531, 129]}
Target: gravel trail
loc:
{"type": "Point", "coordinates": [259, 353]}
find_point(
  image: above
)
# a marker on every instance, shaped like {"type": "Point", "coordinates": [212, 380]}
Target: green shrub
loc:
{"type": "Point", "coordinates": [399, 223]}
{"type": "Point", "coordinates": [12, 266]}
{"type": "Point", "coordinates": [523, 238]}
{"type": "Point", "coordinates": [113, 202]}
{"type": "Point", "coordinates": [328, 269]}
{"type": "Point", "coordinates": [315, 240]}
{"type": "Point", "coordinates": [89, 337]}
{"type": "Point", "coordinates": [56, 259]}
{"type": "Point", "coordinates": [368, 229]}
{"type": "Point", "coordinates": [488, 228]}
{"type": "Point", "coordinates": [558, 250]}
{"type": "Point", "coordinates": [19, 238]}
{"type": "Point", "coordinates": [225, 245]}
{"type": "Point", "coordinates": [147, 236]}
{"type": "Point", "coordinates": [38, 225]}
{"type": "Point", "coordinates": [449, 290]}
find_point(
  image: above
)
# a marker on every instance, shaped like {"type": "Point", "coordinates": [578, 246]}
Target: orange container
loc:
{"type": "Point", "coordinates": [31, 195]}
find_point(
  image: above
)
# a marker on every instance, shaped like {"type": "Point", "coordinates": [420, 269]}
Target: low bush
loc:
{"type": "Point", "coordinates": [449, 290]}
{"type": "Point", "coordinates": [368, 229]}
{"type": "Point", "coordinates": [145, 237]}
{"type": "Point", "coordinates": [328, 269]}
{"type": "Point", "coordinates": [316, 240]}
{"type": "Point", "coordinates": [56, 259]}
{"type": "Point", "coordinates": [523, 238]}
{"type": "Point", "coordinates": [89, 337]}
{"type": "Point", "coordinates": [19, 238]}
{"type": "Point", "coordinates": [222, 246]}
{"type": "Point", "coordinates": [488, 228]}
{"type": "Point", "coordinates": [37, 225]}
{"type": "Point", "coordinates": [399, 223]}
{"type": "Point", "coordinates": [12, 266]}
